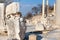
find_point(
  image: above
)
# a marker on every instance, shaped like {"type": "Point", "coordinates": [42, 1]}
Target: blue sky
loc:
{"type": "Point", "coordinates": [26, 5]}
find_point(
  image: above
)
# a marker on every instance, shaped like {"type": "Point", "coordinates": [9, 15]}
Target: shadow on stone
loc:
{"type": "Point", "coordinates": [14, 39]}
{"type": "Point", "coordinates": [36, 33]}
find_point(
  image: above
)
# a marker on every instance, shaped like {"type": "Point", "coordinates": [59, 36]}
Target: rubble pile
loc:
{"type": "Point", "coordinates": [43, 23]}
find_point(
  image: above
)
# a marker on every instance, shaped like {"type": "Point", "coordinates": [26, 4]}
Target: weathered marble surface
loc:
{"type": "Point", "coordinates": [2, 16]}
{"type": "Point", "coordinates": [10, 28]}
{"type": "Point", "coordinates": [12, 8]}
{"type": "Point", "coordinates": [3, 37]}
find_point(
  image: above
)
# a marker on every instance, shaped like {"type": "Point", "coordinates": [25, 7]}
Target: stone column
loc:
{"type": "Point", "coordinates": [58, 12]}
{"type": "Point", "coordinates": [46, 8]}
{"type": "Point", "coordinates": [2, 16]}
{"type": "Point", "coordinates": [43, 8]}
{"type": "Point", "coordinates": [54, 8]}
{"type": "Point", "coordinates": [12, 8]}
{"type": "Point", "coordinates": [46, 2]}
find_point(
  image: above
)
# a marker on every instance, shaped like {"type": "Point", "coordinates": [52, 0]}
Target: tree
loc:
{"type": "Point", "coordinates": [51, 7]}
{"type": "Point", "coordinates": [29, 15]}
{"type": "Point", "coordinates": [35, 10]}
{"type": "Point", "coordinates": [40, 8]}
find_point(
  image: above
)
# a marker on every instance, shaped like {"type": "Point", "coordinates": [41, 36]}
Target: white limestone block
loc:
{"type": "Point", "coordinates": [39, 27]}
{"type": "Point", "coordinates": [12, 8]}
{"type": "Point", "coordinates": [10, 28]}
{"type": "Point", "coordinates": [2, 16]}
{"type": "Point", "coordinates": [57, 12]}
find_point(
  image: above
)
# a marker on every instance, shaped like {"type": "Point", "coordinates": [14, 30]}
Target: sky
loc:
{"type": "Point", "coordinates": [26, 5]}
